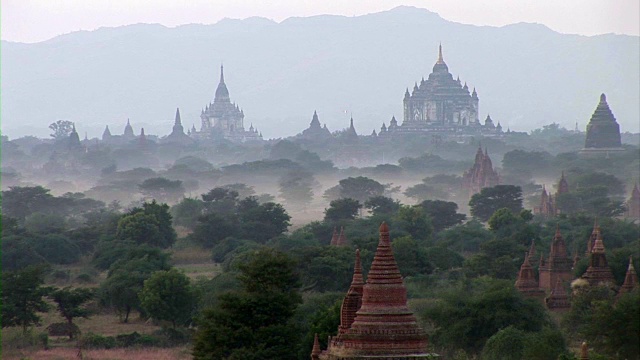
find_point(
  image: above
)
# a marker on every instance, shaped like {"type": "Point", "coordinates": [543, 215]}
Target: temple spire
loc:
{"type": "Point", "coordinates": [178, 121]}
{"type": "Point", "coordinates": [315, 352]}
{"type": "Point", "coordinates": [221, 73]}
{"type": "Point", "coordinates": [630, 279]}
{"type": "Point", "coordinates": [440, 59]}
{"type": "Point", "coordinates": [584, 351]}
{"type": "Point", "coordinates": [353, 300]}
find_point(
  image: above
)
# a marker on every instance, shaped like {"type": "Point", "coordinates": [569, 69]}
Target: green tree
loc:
{"type": "Point", "coordinates": [489, 200]}
{"type": "Point", "coordinates": [382, 205]}
{"type": "Point", "coordinates": [414, 221]}
{"type": "Point", "coordinates": [70, 304]}
{"type": "Point", "coordinates": [360, 188]}
{"type": "Point", "coordinates": [19, 202]}
{"type": "Point", "coordinates": [243, 190]}
{"type": "Point", "coordinates": [262, 222]}
{"type": "Point", "coordinates": [61, 129]}
{"type": "Point", "coordinates": [150, 224]}
{"type": "Point", "coordinates": [443, 214]}
{"type": "Point", "coordinates": [411, 257]}
{"type": "Point", "coordinates": [253, 323]}
{"type": "Point", "coordinates": [506, 344]}
{"type": "Point", "coordinates": [125, 281]}
{"type": "Point", "coordinates": [186, 212]}
{"type": "Point", "coordinates": [162, 189]}
{"type": "Point", "coordinates": [167, 295]}
{"type": "Point", "coordinates": [22, 297]}
{"type": "Point", "coordinates": [468, 315]}
{"type": "Point", "coordinates": [341, 210]}
{"type": "Point", "coordinates": [296, 187]}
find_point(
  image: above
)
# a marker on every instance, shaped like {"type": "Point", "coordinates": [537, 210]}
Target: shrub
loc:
{"type": "Point", "coordinates": [84, 278]}
{"type": "Point", "coordinates": [95, 341]}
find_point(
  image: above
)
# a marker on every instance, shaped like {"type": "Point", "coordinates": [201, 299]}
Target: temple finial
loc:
{"type": "Point", "coordinates": [178, 121]}
{"type": "Point", "coordinates": [221, 73]}
{"type": "Point", "coordinates": [440, 59]}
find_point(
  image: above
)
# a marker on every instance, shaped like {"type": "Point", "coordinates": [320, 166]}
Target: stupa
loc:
{"type": "Point", "coordinates": [603, 132]}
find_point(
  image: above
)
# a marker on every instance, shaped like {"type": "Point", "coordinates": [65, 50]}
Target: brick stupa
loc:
{"type": "Point", "coordinates": [603, 131]}
{"type": "Point", "coordinates": [598, 271]}
{"type": "Point", "coordinates": [526, 282]}
{"type": "Point", "coordinates": [592, 239]}
{"type": "Point", "coordinates": [338, 239]}
{"type": "Point", "coordinates": [383, 327]}
{"type": "Point", "coordinates": [558, 300]}
{"type": "Point", "coordinates": [630, 279]}
{"type": "Point", "coordinates": [558, 265]}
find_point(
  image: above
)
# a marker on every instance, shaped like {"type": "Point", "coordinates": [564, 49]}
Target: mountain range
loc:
{"type": "Point", "coordinates": [526, 75]}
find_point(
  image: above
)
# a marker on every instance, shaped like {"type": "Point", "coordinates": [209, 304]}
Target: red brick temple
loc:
{"type": "Point", "coordinates": [338, 239]}
{"type": "Point", "coordinates": [526, 282]}
{"type": "Point", "coordinates": [598, 271]}
{"type": "Point", "coordinates": [481, 174]}
{"type": "Point", "coordinates": [558, 300]}
{"type": "Point", "coordinates": [558, 265]}
{"type": "Point", "coordinates": [383, 327]}
{"type": "Point", "coordinates": [630, 279]}
{"type": "Point", "coordinates": [592, 238]}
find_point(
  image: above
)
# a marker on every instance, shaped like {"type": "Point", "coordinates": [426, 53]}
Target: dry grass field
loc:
{"type": "Point", "coordinates": [181, 353]}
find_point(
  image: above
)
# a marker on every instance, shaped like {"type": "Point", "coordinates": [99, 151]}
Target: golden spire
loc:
{"type": "Point", "coordinates": [440, 59]}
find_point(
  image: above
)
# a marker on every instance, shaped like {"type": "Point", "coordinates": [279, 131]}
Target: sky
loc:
{"type": "Point", "coordinates": [38, 20]}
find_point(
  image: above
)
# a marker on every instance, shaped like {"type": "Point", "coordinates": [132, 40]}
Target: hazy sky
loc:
{"type": "Point", "coordinates": [37, 20]}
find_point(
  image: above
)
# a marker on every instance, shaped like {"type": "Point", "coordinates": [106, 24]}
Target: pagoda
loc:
{"type": "Point", "coordinates": [128, 132]}
{"type": "Point", "coordinates": [598, 271]}
{"type": "Point", "coordinates": [353, 300]}
{"type": "Point", "coordinates": [224, 118]}
{"type": "Point", "coordinates": [558, 300]}
{"type": "Point", "coordinates": [178, 136]}
{"type": "Point", "coordinates": [549, 204]}
{"type": "Point", "coordinates": [481, 174]}
{"type": "Point", "coordinates": [383, 326]}
{"type": "Point", "coordinates": [592, 238]}
{"type": "Point", "coordinates": [603, 132]}
{"type": "Point", "coordinates": [316, 131]}
{"type": "Point", "coordinates": [338, 239]}
{"type": "Point", "coordinates": [526, 282]}
{"type": "Point", "coordinates": [633, 204]}
{"type": "Point", "coordinates": [558, 265]}
{"type": "Point", "coordinates": [630, 279]}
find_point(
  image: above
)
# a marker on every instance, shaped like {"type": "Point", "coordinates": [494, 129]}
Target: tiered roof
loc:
{"type": "Point", "coordinates": [630, 279]}
{"type": "Point", "coordinates": [558, 300]}
{"type": "Point", "coordinates": [603, 131]}
{"type": "Point", "coordinates": [526, 282]}
{"type": "Point", "coordinates": [598, 271]}
{"type": "Point", "coordinates": [383, 327]}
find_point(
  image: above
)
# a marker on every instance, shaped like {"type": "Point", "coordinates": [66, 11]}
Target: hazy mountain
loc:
{"type": "Point", "coordinates": [279, 73]}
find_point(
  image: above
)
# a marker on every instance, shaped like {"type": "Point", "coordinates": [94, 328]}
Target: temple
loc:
{"type": "Point", "coordinates": [316, 131]}
{"type": "Point", "coordinates": [603, 132]}
{"type": "Point", "coordinates": [382, 327]}
{"type": "Point", "coordinates": [481, 174]}
{"type": "Point", "coordinates": [557, 266]}
{"type": "Point", "coordinates": [598, 272]}
{"type": "Point", "coordinates": [633, 204]}
{"type": "Point", "coordinates": [338, 239]}
{"type": "Point", "coordinates": [592, 238]}
{"type": "Point", "coordinates": [548, 206]}
{"type": "Point", "coordinates": [526, 282]}
{"type": "Point", "coordinates": [178, 136]}
{"type": "Point", "coordinates": [224, 118]}
{"type": "Point", "coordinates": [630, 279]}
{"type": "Point", "coordinates": [441, 104]}
{"type": "Point", "coordinates": [558, 300]}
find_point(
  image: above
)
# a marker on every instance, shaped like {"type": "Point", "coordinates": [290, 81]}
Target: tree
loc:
{"type": "Point", "coordinates": [186, 212]}
{"type": "Point", "coordinates": [342, 209]}
{"type": "Point", "coordinates": [19, 202]}
{"type": "Point", "coordinates": [261, 222]}
{"type": "Point", "coordinates": [487, 201]}
{"type": "Point", "coordinates": [220, 200]}
{"type": "Point", "coordinates": [125, 281]}
{"type": "Point", "coordinates": [70, 304]}
{"type": "Point", "coordinates": [150, 224]}
{"type": "Point", "coordinates": [61, 129]}
{"type": "Point", "coordinates": [296, 187]}
{"type": "Point", "coordinates": [443, 214]}
{"type": "Point", "coordinates": [253, 323]}
{"type": "Point", "coordinates": [414, 221]}
{"type": "Point", "coordinates": [382, 205]}
{"type": "Point", "coordinates": [22, 297]}
{"type": "Point", "coordinates": [360, 188]}
{"type": "Point", "coordinates": [167, 295]}
{"type": "Point", "coordinates": [243, 190]}
{"type": "Point", "coordinates": [410, 256]}
{"type": "Point", "coordinates": [162, 189]}
{"type": "Point", "coordinates": [467, 316]}
{"type": "Point", "coordinates": [55, 248]}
